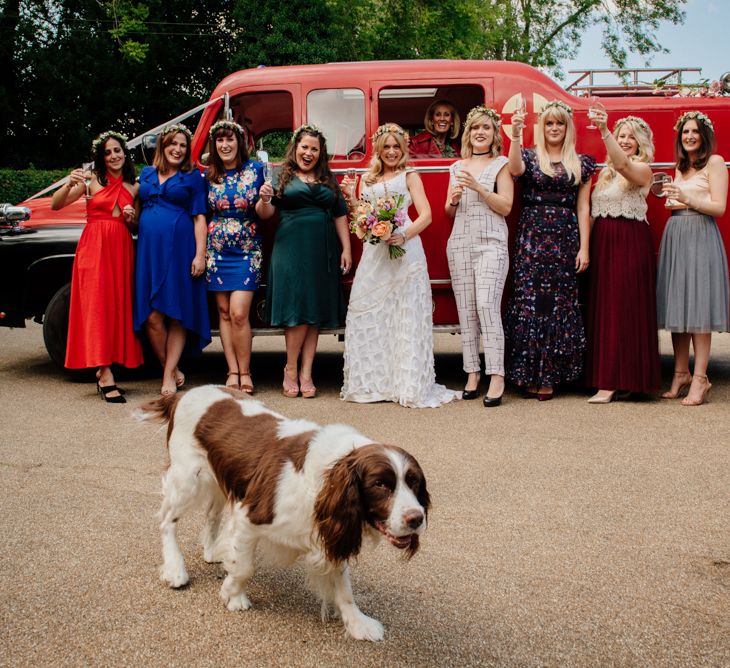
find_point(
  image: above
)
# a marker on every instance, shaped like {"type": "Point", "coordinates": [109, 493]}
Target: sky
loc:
{"type": "Point", "coordinates": [702, 41]}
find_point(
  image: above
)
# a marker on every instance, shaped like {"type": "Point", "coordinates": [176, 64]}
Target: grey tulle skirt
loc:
{"type": "Point", "coordinates": [692, 288]}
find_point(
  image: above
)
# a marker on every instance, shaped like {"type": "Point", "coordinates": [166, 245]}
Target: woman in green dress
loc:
{"type": "Point", "coordinates": [311, 252]}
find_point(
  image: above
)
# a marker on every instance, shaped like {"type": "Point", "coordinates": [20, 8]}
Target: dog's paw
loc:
{"type": "Point", "coordinates": [174, 577]}
{"type": "Point", "coordinates": [234, 599]}
{"type": "Point", "coordinates": [211, 556]}
{"type": "Point", "coordinates": [363, 627]}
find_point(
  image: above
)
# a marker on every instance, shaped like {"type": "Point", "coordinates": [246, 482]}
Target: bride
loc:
{"type": "Point", "coordinates": [389, 327]}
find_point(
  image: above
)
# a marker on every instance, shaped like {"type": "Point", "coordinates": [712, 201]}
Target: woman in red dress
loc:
{"type": "Point", "coordinates": [100, 329]}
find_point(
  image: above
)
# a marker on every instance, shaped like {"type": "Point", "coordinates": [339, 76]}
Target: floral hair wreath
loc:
{"type": "Point", "coordinates": [632, 119]}
{"type": "Point", "coordinates": [175, 128]}
{"type": "Point", "coordinates": [109, 134]}
{"type": "Point", "coordinates": [481, 110]}
{"type": "Point", "coordinates": [309, 128]}
{"type": "Point", "coordinates": [557, 103]}
{"type": "Point", "coordinates": [388, 129]}
{"type": "Point", "coordinates": [228, 125]}
{"type": "Point", "coordinates": [694, 116]}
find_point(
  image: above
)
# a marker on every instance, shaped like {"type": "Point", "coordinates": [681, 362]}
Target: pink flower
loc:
{"type": "Point", "coordinates": [222, 204]}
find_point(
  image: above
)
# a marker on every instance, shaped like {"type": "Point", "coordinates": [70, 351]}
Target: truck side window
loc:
{"type": "Point", "coordinates": [340, 114]}
{"type": "Point", "coordinates": [409, 106]}
{"type": "Point", "coordinates": [268, 119]}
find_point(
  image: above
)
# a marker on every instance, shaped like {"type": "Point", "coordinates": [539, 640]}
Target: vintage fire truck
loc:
{"type": "Point", "coordinates": [348, 101]}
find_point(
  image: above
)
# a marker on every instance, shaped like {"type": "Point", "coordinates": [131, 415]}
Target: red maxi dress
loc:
{"type": "Point", "coordinates": [100, 331]}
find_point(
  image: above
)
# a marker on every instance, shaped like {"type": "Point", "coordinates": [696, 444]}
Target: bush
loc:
{"type": "Point", "coordinates": [18, 185]}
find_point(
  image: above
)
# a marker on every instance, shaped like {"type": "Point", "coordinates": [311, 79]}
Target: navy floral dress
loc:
{"type": "Point", "coordinates": [544, 328]}
{"type": "Point", "coordinates": [233, 257]}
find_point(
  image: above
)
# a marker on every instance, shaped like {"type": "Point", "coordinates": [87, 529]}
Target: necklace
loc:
{"type": "Point", "coordinates": [483, 153]}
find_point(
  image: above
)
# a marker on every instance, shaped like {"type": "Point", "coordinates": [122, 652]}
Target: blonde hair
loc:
{"type": "Point", "coordinates": [455, 118]}
{"type": "Point", "coordinates": [466, 148]}
{"type": "Point", "coordinates": [645, 151]}
{"type": "Point", "coordinates": [568, 155]}
{"type": "Point", "coordinates": [379, 139]}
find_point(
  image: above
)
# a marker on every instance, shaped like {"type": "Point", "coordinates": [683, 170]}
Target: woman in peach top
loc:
{"type": "Point", "coordinates": [692, 282]}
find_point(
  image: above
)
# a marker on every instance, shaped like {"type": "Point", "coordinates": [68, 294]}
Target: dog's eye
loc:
{"type": "Point", "coordinates": [380, 483]}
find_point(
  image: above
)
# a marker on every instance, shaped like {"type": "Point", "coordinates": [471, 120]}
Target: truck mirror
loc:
{"type": "Point", "coordinates": [149, 142]}
{"type": "Point", "coordinates": [262, 156]}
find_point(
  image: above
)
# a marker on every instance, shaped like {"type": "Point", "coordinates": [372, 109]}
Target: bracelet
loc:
{"type": "Point", "coordinates": [454, 204]}
{"type": "Point", "coordinates": [606, 136]}
{"type": "Point", "coordinates": [266, 201]}
{"type": "Point", "coordinates": [517, 138]}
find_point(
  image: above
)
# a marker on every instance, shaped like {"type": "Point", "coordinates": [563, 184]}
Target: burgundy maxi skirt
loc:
{"type": "Point", "coordinates": [623, 346]}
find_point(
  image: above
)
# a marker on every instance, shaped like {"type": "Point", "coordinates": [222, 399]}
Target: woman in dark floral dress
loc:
{"type": "Point", "coordinates": [233, 257]}
{"type": "Point", "coordinates": [545, 334]}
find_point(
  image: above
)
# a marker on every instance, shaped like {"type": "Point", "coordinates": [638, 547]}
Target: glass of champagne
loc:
{"type": "Point", "coordinates": [521, 104]}
{"type": "Point", "coordinates": [594, 105]}
{"type": "Point", "coordinates": [351, 175]}
{"type": "Point", "coordinates": [87, 182]}
{"type": "Point", "coordinates": [268, 172]}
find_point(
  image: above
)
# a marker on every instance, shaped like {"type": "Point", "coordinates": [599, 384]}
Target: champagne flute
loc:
{"type": "Point", "coordinates": [594, 105]}
{"type": "Point", "coordinates": [521, 104]}
{"type": "Point", "coordinates": [87, 182]}
{"type": "Point", "coordinates": [268, 172]}
{"type": "Point", "coordinates": [351, 175]}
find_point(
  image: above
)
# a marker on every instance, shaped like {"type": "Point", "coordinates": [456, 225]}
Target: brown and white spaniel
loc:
{"type": "Point", "coordinates": [297, 489]}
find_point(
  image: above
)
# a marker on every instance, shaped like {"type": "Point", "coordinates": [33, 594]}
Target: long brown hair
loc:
{"type": "Point", "coordinates": [216, 171]}
{"type": "Point", "coordinates": [322, 171]}
{"type": "Point", "coordinates": [707, 135]}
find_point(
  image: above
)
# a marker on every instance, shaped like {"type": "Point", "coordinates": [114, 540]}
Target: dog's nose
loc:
{"type": "Point", "coordinates": [413, 518]}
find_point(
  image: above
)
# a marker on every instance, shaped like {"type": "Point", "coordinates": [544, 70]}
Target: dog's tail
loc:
{"type": "Point", "coordinates": [161, 409]}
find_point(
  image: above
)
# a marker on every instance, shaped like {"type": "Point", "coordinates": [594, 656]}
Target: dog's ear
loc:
{"type": "Point", "coordinates": [338, 511]}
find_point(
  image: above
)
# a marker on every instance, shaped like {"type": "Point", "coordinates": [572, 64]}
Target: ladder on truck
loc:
{"type": "Point", "coordinates": [634, 81]}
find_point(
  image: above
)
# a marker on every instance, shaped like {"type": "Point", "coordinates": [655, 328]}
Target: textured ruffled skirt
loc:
{"type": "Point", "coordinates": [623, 347]}
{"type": "Point", "coordinates": [389, 332]}
{"type": "Point", "coordinates": [692, 281]}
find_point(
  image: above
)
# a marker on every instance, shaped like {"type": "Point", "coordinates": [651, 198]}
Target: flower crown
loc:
{"type": "Point", "coordinates": [388, 129]}
{"type": "Point", "coordinates": [694, 116]}
{"type": "Point", "coordinates": [307, 127]}
{"type": "Point", "coordinates": [109, 134]}
{"type": "Point", "coordinates": [175, 128]}
{"type": "Point", "coordinates": [228, 125]}
{"type": "Point", "coordinates": [632, 119]}
{"type": "Point", "coordinates": [557, 103]}
{"type": "Point", "coordinates": [481, 110]}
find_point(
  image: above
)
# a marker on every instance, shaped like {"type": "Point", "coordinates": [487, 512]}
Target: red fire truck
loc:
{"type": "Point", "coordinates": [348, 101]}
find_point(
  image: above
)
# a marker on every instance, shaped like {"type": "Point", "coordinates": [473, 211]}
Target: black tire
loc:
{"type": "Point", "coordinates": [55, 325]}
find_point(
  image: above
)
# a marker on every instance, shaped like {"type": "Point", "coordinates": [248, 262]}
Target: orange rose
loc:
{"type": "Point", "coordinates": [382, 230]}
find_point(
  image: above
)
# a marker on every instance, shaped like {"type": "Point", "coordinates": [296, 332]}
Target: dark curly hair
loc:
{"type": "Point", "coordinates": [129, 174]}
{"type": "Point", "coordinates": [322, 171]}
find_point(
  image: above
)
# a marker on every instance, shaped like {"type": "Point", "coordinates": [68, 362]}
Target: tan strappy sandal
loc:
{"type": "Point", "coordinates": [246, 388]}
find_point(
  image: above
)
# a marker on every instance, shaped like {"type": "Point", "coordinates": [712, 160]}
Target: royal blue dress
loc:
{"type": "Point", "coordinates": [165, 252]}
{"type": "Point", "coordinates": [233, 258]}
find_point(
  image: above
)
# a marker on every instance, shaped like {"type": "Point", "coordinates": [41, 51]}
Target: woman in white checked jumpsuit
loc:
{"type": "Point", "coordinates": [480, 196]}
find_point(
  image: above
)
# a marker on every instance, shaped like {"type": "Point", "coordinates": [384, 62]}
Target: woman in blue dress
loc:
{"type": "Point", "coordinates": [170, 301]}
{"type": "Point", "coordinates": [233, 257]}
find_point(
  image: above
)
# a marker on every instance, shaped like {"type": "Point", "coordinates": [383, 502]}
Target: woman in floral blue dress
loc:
{"type": "Point", "coordinates": [546, 339]}
{"type": "Point", "coordinates": [233, 257]}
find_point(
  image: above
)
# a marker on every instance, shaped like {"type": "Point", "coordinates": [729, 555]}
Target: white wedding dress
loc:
{"type": "Point", "coordinates": [388, 331]}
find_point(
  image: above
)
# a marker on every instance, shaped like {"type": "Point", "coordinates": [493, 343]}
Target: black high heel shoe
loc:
{"type": "Point", "coordinates": [493, 402]}
{"type": "Point", "coordinates": [104, 390]}
{"type": "Point", "coordinates": [468, 395]}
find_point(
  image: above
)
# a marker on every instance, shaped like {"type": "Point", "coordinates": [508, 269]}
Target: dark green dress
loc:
{"type": "Point", "coordinates": [304, 273]}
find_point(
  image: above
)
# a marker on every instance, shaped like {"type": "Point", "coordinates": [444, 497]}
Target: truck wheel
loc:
{"type": "Point", "coordinates": [55, 325]}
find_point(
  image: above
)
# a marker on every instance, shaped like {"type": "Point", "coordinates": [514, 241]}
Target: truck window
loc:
{"type": "Point", "coordinates": [407, 105]}
{"type": "Point", "coordinates": [268, 119]}
{"type": "Point", "coordinates": [340, 114]}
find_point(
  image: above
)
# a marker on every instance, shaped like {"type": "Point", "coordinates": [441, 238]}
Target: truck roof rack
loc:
{"type": "Point", "coordinates": [632, 81]}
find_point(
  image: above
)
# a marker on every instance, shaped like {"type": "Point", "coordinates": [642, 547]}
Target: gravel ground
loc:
{"type": "Point", "coordinates": [562, 533]}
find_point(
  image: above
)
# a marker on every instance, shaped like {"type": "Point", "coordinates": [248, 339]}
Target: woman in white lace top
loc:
{"type": "Point", "coordinates": [389, 327]}
{"type": "Point", "coordinates": [623, 351]}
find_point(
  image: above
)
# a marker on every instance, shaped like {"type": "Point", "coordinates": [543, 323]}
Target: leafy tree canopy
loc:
{"type": "Point", "coordinates": [73, 68]}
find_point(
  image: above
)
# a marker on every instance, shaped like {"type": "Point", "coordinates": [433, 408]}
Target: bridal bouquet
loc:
{"type": "Point", "coordinates": [373, 223]}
